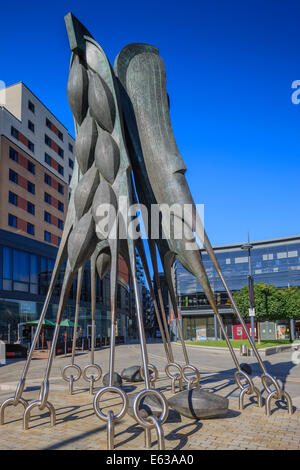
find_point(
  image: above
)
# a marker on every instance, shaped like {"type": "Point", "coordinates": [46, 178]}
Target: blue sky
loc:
{"type": "Point", "coordinates": [230, 66]}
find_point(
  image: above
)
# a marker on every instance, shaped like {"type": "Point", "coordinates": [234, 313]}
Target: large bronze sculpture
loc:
{"type": "Point", "coordinates": [126, 153]}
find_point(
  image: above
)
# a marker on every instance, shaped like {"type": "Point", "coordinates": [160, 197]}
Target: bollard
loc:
{"type": "Point", "coordinates": [2, 353]}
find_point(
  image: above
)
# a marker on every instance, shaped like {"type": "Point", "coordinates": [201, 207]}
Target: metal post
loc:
{"type": "Point", "coordinates": [248, 246]}
{"type": "Point", "coordinates": [216, 328]}
{"type": "Point", "coordinates": [292, 329]}
{"type": "Point", "coordinates": [251, 297]}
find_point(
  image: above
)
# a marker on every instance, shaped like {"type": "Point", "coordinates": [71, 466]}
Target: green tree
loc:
{"type": "Point", "coordinates": [270, 302]}
{"type": "Point", "coordinates": [291, 298]}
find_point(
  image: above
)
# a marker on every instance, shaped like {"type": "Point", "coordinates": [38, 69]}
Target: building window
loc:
{"type": "Point", "coordinates": [31, 126]}
{"type": "Point", "coordinates": [48, 123]}
{"type": "Point", "coordinates": [47, 179]}
{"type": "Point", "coordinates": [12, 198]}
{"type": "Point", "coordinates": [30, 187]}
{"type": "Point", "coordinates": [58, 241]}
{"type": "Point", "coordinates": [60, 152]}
{"type": "Point", "coordinates": [13, 176]}
{"type": "Point", "coordinates": [60, 206]}
{"type": "Point", "coordinates": [71, 163]}
{"type": "Point", "coordinates": [30, 228]}
{"type": "Point", "coordinates": [70, 177]}
{"type": "Point", "coordinates": [31, 106]}
{"type": "Point", "coordinates": [60, 188]}
{"type": "Point", "coordinates": [71, 148]}
{"type": "Point", "coordinates": [14, 132]}
{"type": "Point", "coordinates": [47, 140]}
{"type": "Point", "coordinates": [12, 220]}
{"type": "Point", "coordinates": [60, 136]}
{"type": "Point", "coordinates": [31, 167]}
{"type": "Point", "coordinates": [30, 208]}
{"type": "Point", "coordinates": [13, 155]}
{"type": "Point", "coordinates": [60, 224]}
{"type": "Point", "coordinates": [61, 170]}
{"type": "Point", "coordinates": [47, 198]}
{"type": "Point", "coordinates": [47, 217]}
{"type": "Point", "coordinates": [48, 159]}
{"type": "Point", "coordinates": [30, 145]}
{"type": "Point", "coordinates": [47, 236]}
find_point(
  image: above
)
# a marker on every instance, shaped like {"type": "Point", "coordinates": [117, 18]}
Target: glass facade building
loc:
{"type": "Point", "coordinates": [275, 262]}
{"type": "Point", "coordinates": [25, 270]}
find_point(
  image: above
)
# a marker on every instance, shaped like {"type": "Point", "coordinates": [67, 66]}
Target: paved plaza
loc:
{"type": "Point", "coordinates": [78, 427]}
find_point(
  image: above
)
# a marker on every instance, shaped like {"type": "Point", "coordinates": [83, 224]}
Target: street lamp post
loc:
{"type": "Point", "coordinates": [248, 246]}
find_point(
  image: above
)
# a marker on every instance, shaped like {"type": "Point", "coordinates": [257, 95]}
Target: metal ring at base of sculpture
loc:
{"type": "Point", "coordinates": [70, 366]}
{"type": "Point", "coordinates": [11, 401]}
{"type": "Point", "coordinates": [176, 376]}
{"type": "Point", "coordinates": [277, 394]}
{"type": "Point", "coordinates": [71, 379]}
{"type": "Point", "coordinates": [246, 389]}
{"type": "Point", "coordinates": [92, 379]}
{"type": "Point", "coordinates": [44, 393]}
{"type": "Point", "coordinates": [265, 378]}
{"type": "Point", "coordinates": [249, 386]}
{"type": "Point", "coordinates": [153, 369]}
{"type": "Point", "coordinates": [112, 389]}
{"type": "Point", "coordinates": [34, 404]}
{"type": "Point", "coordinates": [136, 404]}
{"type": "Point", "coordinates": [194, 380]}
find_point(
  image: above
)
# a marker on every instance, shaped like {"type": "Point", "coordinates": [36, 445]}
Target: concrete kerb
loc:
{"type": "Point", "coordinates": [263, 351]}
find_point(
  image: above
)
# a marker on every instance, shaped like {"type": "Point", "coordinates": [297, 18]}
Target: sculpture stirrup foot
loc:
{"type": "Point", "coordinates": [11, 401]}
{"type": "Point", "coordinates": [110, 418]}
{"type": "Point", "coordinates": [35, 404]}
{"type": "Point", "coordinates": [247, 388]}
{"type": "Point", "coordinates": [41, 403]}
{"type": "Point", "coordinates": [277, 394]}
{"type": "Point", "coordinates": [14, 400]}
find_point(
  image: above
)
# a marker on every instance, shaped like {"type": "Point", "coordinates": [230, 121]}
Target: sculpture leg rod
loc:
{"type": "Point", "coordinates": [139, 312]}
{"type": "Point", "coordinates": [215, 262]}
{"type": "Point", "coordinates": [42, 402]}
{"type": "Point", "coordinates": [78, 293]}
{"type": "Point", "coordinates": [152, 249]}
{"type": "Point", "coordinates": [167, 347]}
{"type": "Point", "coordinates": [71, 379]}
{"type": "Point", "coordinates": [92, 378]}
{"type": "Point", "coordinates": [113, 306]}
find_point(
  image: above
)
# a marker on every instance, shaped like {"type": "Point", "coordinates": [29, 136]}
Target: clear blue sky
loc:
{"type": "Point", "coordinates": [229, 66]}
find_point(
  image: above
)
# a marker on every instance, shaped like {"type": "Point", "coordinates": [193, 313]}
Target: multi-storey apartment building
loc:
{"type": "Point", "coordinates": [36, 164]}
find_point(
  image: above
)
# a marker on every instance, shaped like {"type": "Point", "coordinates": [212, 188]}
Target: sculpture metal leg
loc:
{"type": "Point", "coordinates": [279, 392]}
{"type": "Point", "coordinates": [43, 402]}
{"type": "Point", "coordinates": [111, 418]}
{"type": "Point", "coordinates": [73, 378]}
{"type": "Point", "coordinates": [92, 378]}
{"type": "Point", "coordinates": [191, 381]}
{"type": "Point", "coordinates": [57, 267]}
{"type": "Point", "coordinates": [148, 391]}
{"type": "Point", "coordinates": [166, 342]}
